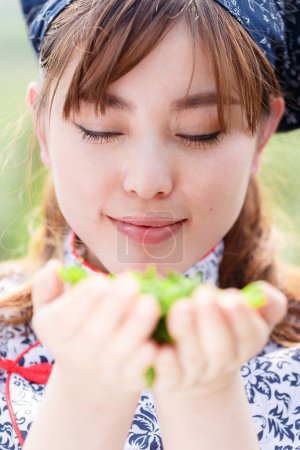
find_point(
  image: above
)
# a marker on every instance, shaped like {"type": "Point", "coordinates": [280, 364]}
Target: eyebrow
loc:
{"type": "Point", "coordinates": [194, 101]}
{"type": "Point", "coordinates": [199, 100]}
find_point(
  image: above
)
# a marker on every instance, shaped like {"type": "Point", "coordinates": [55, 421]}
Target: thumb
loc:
{"type": "Point", "coordinates": [46, 284]}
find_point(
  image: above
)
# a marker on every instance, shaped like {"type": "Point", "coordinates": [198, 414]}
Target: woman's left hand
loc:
{"type": "Point", "coordinates": [215, 332]}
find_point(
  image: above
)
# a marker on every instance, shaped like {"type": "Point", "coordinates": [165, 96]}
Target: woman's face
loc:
{"type": "Point", "coordinates": [155, 156]}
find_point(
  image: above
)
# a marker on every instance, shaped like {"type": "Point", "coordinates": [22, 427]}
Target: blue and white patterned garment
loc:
{"type": "Point", "coordinates": [271, 380]}
{"type": "Point", "coordinates": [275, 26]}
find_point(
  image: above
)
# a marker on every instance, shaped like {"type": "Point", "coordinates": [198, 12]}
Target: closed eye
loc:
{"type": "Point", "coordinates": [201, 140]}
{"type": "Point", "coordinates": [101, 138]}
{"type": "Point", "coordinates": [105, 137]}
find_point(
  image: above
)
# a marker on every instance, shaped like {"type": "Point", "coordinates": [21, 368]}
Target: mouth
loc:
{"type": "Point", "coordinates": [153, 222]}
{"type": "Point", "coordinates": [146, 231]}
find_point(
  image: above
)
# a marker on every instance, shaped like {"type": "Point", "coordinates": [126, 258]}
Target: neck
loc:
{"type": "Point", "coordinates": [76, 253]}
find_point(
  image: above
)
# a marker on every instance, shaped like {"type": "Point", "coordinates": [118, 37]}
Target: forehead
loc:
{"type": "Point", "coordinates": [176, 66]}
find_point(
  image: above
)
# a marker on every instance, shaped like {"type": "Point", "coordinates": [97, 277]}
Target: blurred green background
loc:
{"type": "Point", "coordinates": [280, 172]}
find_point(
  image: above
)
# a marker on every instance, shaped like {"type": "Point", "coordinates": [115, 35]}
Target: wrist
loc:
{"type": "Point", "coordinates": [195, 417]}
{"type": "Point", "coordinates": [69, 419]}
{"type": "Point", "coordinates": [204, 392]}
{"type": "Point", "coordinates": [86, 393]}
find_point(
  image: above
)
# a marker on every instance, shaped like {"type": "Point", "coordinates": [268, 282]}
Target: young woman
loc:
{"type": "Point", "coordinates": [151, 117]}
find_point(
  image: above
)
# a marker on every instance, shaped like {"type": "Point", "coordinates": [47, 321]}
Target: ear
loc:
{"type": "Point", "coordinates": [267, 128]}
{"type": "Point", "coordinates": [32, 94]}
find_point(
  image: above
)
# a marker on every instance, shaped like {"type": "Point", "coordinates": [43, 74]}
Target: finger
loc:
{"type": "Point", "coordinates": [182, 327]}
{"type": "Point", "coordinates": [113, 310]}
{"type": "Point", "coordinates": [276, 307]}
{"type": "Point", "coordinates": [167, 369]}
{"type": "Point", "coordinates": [47, 285]}
{"type": "Point", "coordinates": [68, 313]}
{"type": "Point", "coordinates": [134, 370]}
{"type": "Point", "coordinates": [136, 329]}
{"type": "Point", "coordinates": [215, 335]}
{"type": "Point", "coordinates": [250, 330]}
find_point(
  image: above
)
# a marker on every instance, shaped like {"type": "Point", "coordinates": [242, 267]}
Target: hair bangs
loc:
{"type": "Point", "coordinates": [113, 36]}
{"type": "Point", "coordinates": [119, 40]}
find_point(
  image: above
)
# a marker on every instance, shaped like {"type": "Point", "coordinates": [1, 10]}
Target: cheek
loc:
{"type": "Point", "coordinates": [81, 184]}
{"type": "Point", "coordinates": [218, 181]}
{"type": "Point", "coordinates": [76, 166]}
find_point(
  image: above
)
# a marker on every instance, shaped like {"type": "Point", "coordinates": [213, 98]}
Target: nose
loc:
{"type": "Point", "coordinates": [149, 171]}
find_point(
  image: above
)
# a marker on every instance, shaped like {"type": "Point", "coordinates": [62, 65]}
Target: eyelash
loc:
{"type": "Point", "coordinates": [203, 140]}
{"type": "Point", "coordinates": [192, 141]}
{"type": "Point", "coordinates": [101, 138]}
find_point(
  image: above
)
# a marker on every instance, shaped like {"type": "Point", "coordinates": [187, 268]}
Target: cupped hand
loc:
{"type": "Point", "coordinates": [215, 332]}
{"type": "Point", "coordinates": [98, 332]}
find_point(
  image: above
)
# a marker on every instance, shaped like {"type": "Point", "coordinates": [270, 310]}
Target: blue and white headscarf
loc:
{"type": "Point", "coordinates": [273, 24]}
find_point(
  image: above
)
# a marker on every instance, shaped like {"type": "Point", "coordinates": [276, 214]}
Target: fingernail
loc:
{"type": "Point", "coordinates": [204, 295]}
{"type": "Point", "coordinates": [129, 283]}
{"type": "Point", "coordinates": [53, 263]}
{"type": "Point", "coordinates": [228, 301]}
{"type": "Point", "coordinates": [147, 304]}
{"type": "Point", "coordinates": [183, 311]}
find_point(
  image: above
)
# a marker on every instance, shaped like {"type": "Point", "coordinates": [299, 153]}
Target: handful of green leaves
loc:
{"type": "Point", "coordinates": [167, 291]}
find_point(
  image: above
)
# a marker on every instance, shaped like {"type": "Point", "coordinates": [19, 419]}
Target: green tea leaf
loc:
{"type": "Point", "coordinates": [254, 295]}
{"type": "Point", "coordinates": [72, 275]}
{"type": "Point", "coordinates": [166, 290]}
{"type": "Point", "coordinates": [150, 377]}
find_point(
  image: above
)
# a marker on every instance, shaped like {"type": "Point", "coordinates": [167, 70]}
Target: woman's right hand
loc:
{"type": "Point", "coordinates": [98, 332]}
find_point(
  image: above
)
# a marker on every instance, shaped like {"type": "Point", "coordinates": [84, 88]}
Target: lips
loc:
{"type": "Point", "coordinates": [145, 234]}
{"type": "Point", "coordinates": [152, 222]}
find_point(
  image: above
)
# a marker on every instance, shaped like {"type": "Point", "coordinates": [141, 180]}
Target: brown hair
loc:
{"type": "Point", "coordinates": [112, 37]}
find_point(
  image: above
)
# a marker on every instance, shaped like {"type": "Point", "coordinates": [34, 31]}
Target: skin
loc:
{"type": "Point", "coordinates": [150, 168]}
